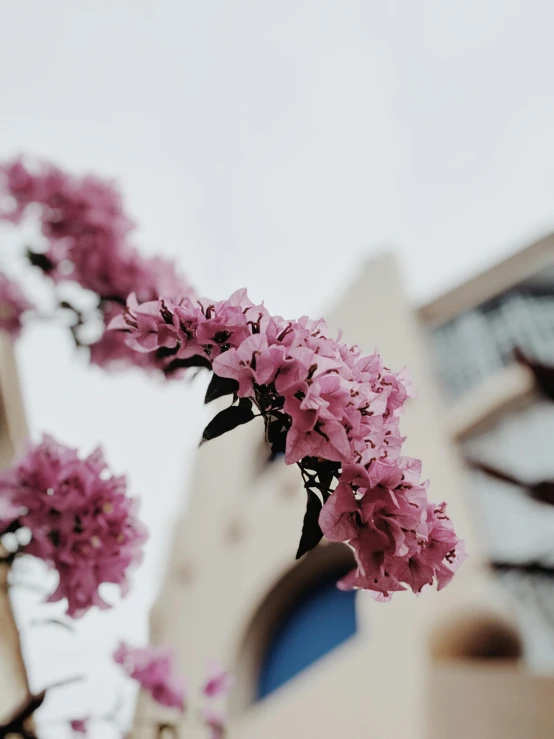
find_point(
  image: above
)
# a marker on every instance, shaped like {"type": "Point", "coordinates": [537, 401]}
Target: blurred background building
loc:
{"type": "Point", "coordinates": [280, 141]}
{"type": "Point", "coordinates": [313, 661]}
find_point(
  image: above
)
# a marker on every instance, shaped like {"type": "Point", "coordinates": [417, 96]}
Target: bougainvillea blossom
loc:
{"type": "Point", "coordinates": [215, 722]}
{"type": "Point", "coordinates": [327, 407]}
{"type": "Point", "coordinates": [79, 726]}
{"type": "Point", "coordinates": [154, 669]}
{"type": "Point", "coordinates": [87, 237]}
{"type": "Point", "coordinates": [82, 522]}
{"type": "Point", "coordinates": [218, 683]}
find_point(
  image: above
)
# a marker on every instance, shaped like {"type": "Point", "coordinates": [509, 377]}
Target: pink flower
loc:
{"type": "Point", "coordinates": [218, 683]}
{"type": "Point", "coordinates": [340, 517]}
{"type": "Point", "coordinates": [81, 521]}
{"type": "Point", "coordinates": [88, 236]}
{"type": "Point", "coordinates": [330, 409]}
{"type": "Point", "coordinates": [215, 722]}
{"type": "Point", "coordinates": [13, 304]}
{"type": "Point", "coordinates": [154, 670]}
{"type": "Point", "coordinates": [111, 352]}
{"type": "Point", "coordinates": [443, 551]}
{"type": "Point", "coordinates": [254, 361]}
{"type": "Point", "coordinates": [398, 537]}
{"type": "Point", "coordinates": [79, 725]}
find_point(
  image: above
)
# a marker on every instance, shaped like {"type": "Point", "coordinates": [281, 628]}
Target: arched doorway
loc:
{"type": "Point", "coordinates": [300, 620]}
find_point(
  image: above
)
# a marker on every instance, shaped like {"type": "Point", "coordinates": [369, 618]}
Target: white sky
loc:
{"type": "Point", "coordinates": [271, 145]}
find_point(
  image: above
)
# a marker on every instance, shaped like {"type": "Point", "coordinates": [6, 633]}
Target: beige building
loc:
{"type": "Point", "coordinates": [439, 666]}
{"type": "Point", "coordinates": [311, 662]}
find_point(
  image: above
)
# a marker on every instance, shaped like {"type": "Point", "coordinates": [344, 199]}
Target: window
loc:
{"type": "Point", "coordinates": [479, 342]}
{"type": "Point", "coordinates": [319, 620]}
{"type": "Point", "coordinates": [301, 617]}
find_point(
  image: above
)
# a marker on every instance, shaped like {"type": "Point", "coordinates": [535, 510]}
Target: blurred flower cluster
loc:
{"type": "Point", "coordinates": [87, 242]}
{"type": "Point", "coordinates": [79, 519]}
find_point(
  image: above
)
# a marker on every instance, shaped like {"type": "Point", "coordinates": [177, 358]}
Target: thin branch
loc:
{"type": "Point", "coordinates": [16, 722]}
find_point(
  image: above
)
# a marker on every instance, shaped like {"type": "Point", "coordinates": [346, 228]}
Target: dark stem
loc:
{"type": "Point", "coordinates": [16, 722]}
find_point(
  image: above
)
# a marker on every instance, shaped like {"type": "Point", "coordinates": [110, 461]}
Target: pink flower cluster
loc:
{"type": "Point", "coordinates": [79, 726]}
{"type": "Point", "coordinates": [214, 722]}
{"type": "Point", "coordinates": [218, 683]}
{"type": "Point", "coordinates": [397, 535]}
{"type": "Point", "coordinates": [13, 304]}
{"type": "Point", "coordinates": [87, 234]}
{"type": "Point", "coordinates": [153, 669]}
{"type": "Point", "coordinates": [217, 686]}
{"type": "Point", "coordinates": [340, 404]}
{"type": "Point", "coordinates": [82, 523]}
{"type": "Point", "coordinates": [330, 409]}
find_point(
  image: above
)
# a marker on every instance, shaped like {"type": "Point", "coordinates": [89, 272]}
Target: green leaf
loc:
{"type": "Point", "coordinates": [311, 532]}
{"type": "Point", "coordinates": [325, 482]}
{"type": "Point", "coordinates": [220, 386]}
{"type": "Point", "coordinates": [163, 352]}
{"type": "Point", "coordinates": [227, 420]}
{"type": "Point", "coordinates": [277, 435]}
{"type": "Point", "coordinates": [197, 361]}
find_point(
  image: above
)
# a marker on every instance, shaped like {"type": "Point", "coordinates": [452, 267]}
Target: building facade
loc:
{"type": "Point", "coordinates": [312, 662]}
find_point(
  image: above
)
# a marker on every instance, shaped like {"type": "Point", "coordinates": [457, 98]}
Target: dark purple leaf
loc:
{"type": "Point", "coordinates": [219, 387]}
{"type": "Point", "coordinates": [197, 361]}
{"type": "Point", "coordinates": [311, 532]}
{"type": "Point", "coordinates": [227, 420]}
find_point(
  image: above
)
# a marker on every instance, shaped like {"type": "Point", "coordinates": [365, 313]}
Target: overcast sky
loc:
{"type": "Point", "coordinates": [271, 145]}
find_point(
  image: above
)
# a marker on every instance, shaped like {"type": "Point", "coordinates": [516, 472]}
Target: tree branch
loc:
{"type": "Point", "coordinates": [16, 722]}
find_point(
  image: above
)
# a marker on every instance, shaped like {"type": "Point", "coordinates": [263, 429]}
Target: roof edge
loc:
{"type": "Point", "coordinates": [497, 279]}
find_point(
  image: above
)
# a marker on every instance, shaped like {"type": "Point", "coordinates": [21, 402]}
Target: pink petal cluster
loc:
{"type": "Point", "coordinates": [217, 686]}
{"type": "Point", "coordinates": [87, 234]}
{"type": "Point", "coordinates": [340, 403]}
{"type": "Point", "coordinates": [79, 726]}
{"type": "Point", "coordinates": [153, 668]}
{"type": "Point", "coordinates": [399, 538]}
{"type": "Point", "coordinates": [13, 304]}
{"type": "Point", "coordinates": [215, 722]}
{"type": "Point", "coordinates": [332, 404]}
{"type": "Point", "coordinates": [81, 520]}
{"type": "Point", "coordinates": [218, 683]}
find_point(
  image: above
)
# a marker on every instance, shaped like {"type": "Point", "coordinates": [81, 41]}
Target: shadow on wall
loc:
{"type": "Point", "coordinates": [476, 636]}
{"type": "Point", "coordinates": [478, 686]}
